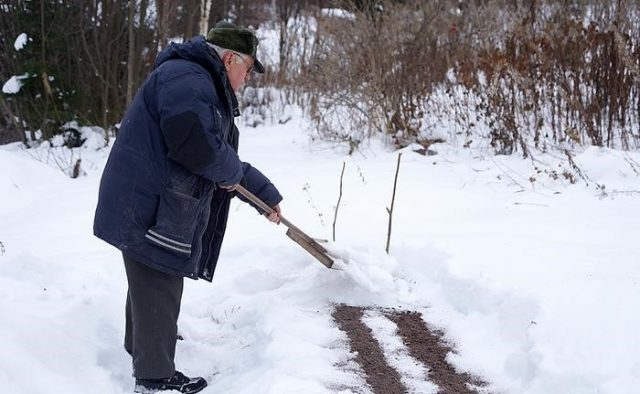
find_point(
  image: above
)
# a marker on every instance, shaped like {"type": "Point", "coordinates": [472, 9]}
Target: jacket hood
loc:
{"type": "Point", "coordinates": [195, 50]}
{"type": "Point", "coordinates": [198, 51]}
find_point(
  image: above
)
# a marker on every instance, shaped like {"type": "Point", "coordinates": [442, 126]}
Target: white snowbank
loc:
{"type": "Point", "coordinates": [535, 283]}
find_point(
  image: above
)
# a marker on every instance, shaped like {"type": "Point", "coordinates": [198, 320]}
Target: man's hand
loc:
{"type": "Point", "coordinates": [230, 188]}
{"type": "Point", "coordinates": [274, 216]}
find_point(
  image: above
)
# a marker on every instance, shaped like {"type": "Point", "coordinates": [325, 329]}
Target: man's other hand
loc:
{"type": "Point", "coordinates": [230, 188]}
{"type": "Point", "coordinates": [274, 216]}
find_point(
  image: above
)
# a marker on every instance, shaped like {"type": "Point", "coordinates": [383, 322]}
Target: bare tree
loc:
{"type": "Point", "coordinates": [286, 10]}
{"type": "Point", "coordinates": [163, 8]}
{"type": "Point", "coordinates": [191, 11]}
{"type": "Point", "coordinates": [205, 10]}
{"type": "Point", "coordinates": [139, 64]}
{"type": "Point", "coordinates": [132, 51]}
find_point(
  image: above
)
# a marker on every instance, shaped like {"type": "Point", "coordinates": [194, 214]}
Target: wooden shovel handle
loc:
{"type": "Point", "coordinates": [299, 236]}
{"type": "Point", "coordinates": [251, 197]}
{"type": "Point", "coordinates": [262, 205]}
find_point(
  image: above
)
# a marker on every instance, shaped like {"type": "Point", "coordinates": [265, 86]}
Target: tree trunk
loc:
{"type": "Point", "coordinates": [132, 51]}
{"type": "Point", "coordinates": [43, 59]}
{"type": "Point", "coordinates": [138, 61]}
{"type": "Point", "coordinates": [192, 14]}
{"type": "Point", "coordinates": [106, 54]}
{"type": "Point", "coordinates": [162, 30]}
{"type": "Point", "coordinates": [205, 8]}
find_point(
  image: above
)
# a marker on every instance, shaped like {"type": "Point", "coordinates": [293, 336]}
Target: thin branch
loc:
{"type": "Point", "coordinates": [393, 199]}
{"type": "Point", "coordinates": [335, 213]}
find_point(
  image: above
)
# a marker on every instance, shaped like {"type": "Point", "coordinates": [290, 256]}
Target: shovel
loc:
{"type": "Point", "coordinates": [298, 236]}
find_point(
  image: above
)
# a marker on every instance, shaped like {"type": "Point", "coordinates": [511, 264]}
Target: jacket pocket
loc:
{"type": "Point", "coordinates": [176, 222]}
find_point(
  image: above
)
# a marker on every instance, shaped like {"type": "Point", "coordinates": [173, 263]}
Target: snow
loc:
{"type": "Point", "coordinates": [535, 282]}
{"type": "Point", "coordinates": [14, 84]}
{"type": "Point", "coordinates": [338, 13]}
{"type": "Point", "coordinates": [21, 41]}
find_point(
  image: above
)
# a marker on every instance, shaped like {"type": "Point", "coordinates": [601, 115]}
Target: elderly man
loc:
{"type": "Point", "coordinates": [166, 188]}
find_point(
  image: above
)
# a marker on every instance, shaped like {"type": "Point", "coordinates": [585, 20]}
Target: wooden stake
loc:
{"type": "Point", "coordinates": [393, 198]}
{"type": "Point", "coordinates": [335, 213]}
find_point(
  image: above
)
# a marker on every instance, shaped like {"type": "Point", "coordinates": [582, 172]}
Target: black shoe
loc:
{"type": "Point", "coordinates": [177, 382]}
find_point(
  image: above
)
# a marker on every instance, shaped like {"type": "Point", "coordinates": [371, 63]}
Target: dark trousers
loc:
{"type": "Point", "coordinates": [151, 327]}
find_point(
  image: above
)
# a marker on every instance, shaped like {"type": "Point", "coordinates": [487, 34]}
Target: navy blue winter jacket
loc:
{"type": "Point", "coordinates": [160, 201]}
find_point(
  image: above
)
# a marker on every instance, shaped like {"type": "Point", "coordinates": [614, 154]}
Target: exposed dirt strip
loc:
{"type": "Point", "coordinates": [414, 375]}
{"type": "Point", "coordinates": [381, 377]}
{"type": "Point", "coordinates": [424, 344]}
{"type": "Point", "coordinates": [427, 346]}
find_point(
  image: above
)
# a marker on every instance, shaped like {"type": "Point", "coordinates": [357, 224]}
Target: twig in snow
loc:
{"type": "Point", "coordinates": [530, 203]}
{"type": "Point", "coordinates": [361, 175]}
{"type": "Point", "coordinates": [306, 187]}
{"type": "Point", "coordinates": [577, 169]}
{"type": "Point", "coordinates": [506, 174]}
{"type": "Point", "coordinates": [335, 213]}
{"type": "Point", "coordinates": [633, 164]}
{"type": "Point", "coordinates": [625, 192]}
{"type": "Point", "coordinates": [393, 198]}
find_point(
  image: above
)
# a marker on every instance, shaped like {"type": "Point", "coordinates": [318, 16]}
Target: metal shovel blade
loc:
{"type": "Point", "coordinates": [312, 247]}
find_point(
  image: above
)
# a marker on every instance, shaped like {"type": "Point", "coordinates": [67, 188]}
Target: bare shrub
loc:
{"type": "Point", "coordinates": [373, 70]}
{"type": "Point", "coordinates": [564, 75]}
{"type": "Point", "coordinates": [524, 74]}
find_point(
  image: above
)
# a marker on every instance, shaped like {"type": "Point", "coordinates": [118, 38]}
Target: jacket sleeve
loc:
{"type": "Point", "coordinates": [258, 184]}
{"type": "Point", "coordinates": [192, 130]}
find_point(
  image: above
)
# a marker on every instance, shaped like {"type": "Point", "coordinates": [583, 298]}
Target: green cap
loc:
{"type": "Point", "coordinates": [227, 35]}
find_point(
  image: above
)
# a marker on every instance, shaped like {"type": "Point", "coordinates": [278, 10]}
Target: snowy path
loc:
{"type": "Point", "coordinates": [537, 287]}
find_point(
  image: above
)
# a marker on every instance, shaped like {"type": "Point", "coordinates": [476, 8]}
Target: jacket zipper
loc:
{"type": "Point", "coordinates": [201, 233]}
{"type": "Point", "coordinates": [205, 273]}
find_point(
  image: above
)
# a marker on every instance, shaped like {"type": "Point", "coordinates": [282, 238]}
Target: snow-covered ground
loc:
{"type": "Point", "coordinates": [537, 284]}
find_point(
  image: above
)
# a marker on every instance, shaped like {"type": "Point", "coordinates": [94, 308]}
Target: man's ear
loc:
{"type": "Point", "coordinates": [227, 59]}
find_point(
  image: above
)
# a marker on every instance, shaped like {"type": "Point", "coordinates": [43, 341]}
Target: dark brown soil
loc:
{"type": "Point", "coordinates": [427, 346]}
{"type": "Point", "coordinates": [381, 377]}
{"type": "Point", "coordinates": [424, 344]}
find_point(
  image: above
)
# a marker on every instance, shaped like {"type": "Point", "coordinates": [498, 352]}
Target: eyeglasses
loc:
{"type": "Point", "coordinates": [244, 60]}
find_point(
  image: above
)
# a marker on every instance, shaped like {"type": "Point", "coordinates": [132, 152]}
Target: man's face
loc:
{"type": "Point", "coordinates": [239, 68]}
